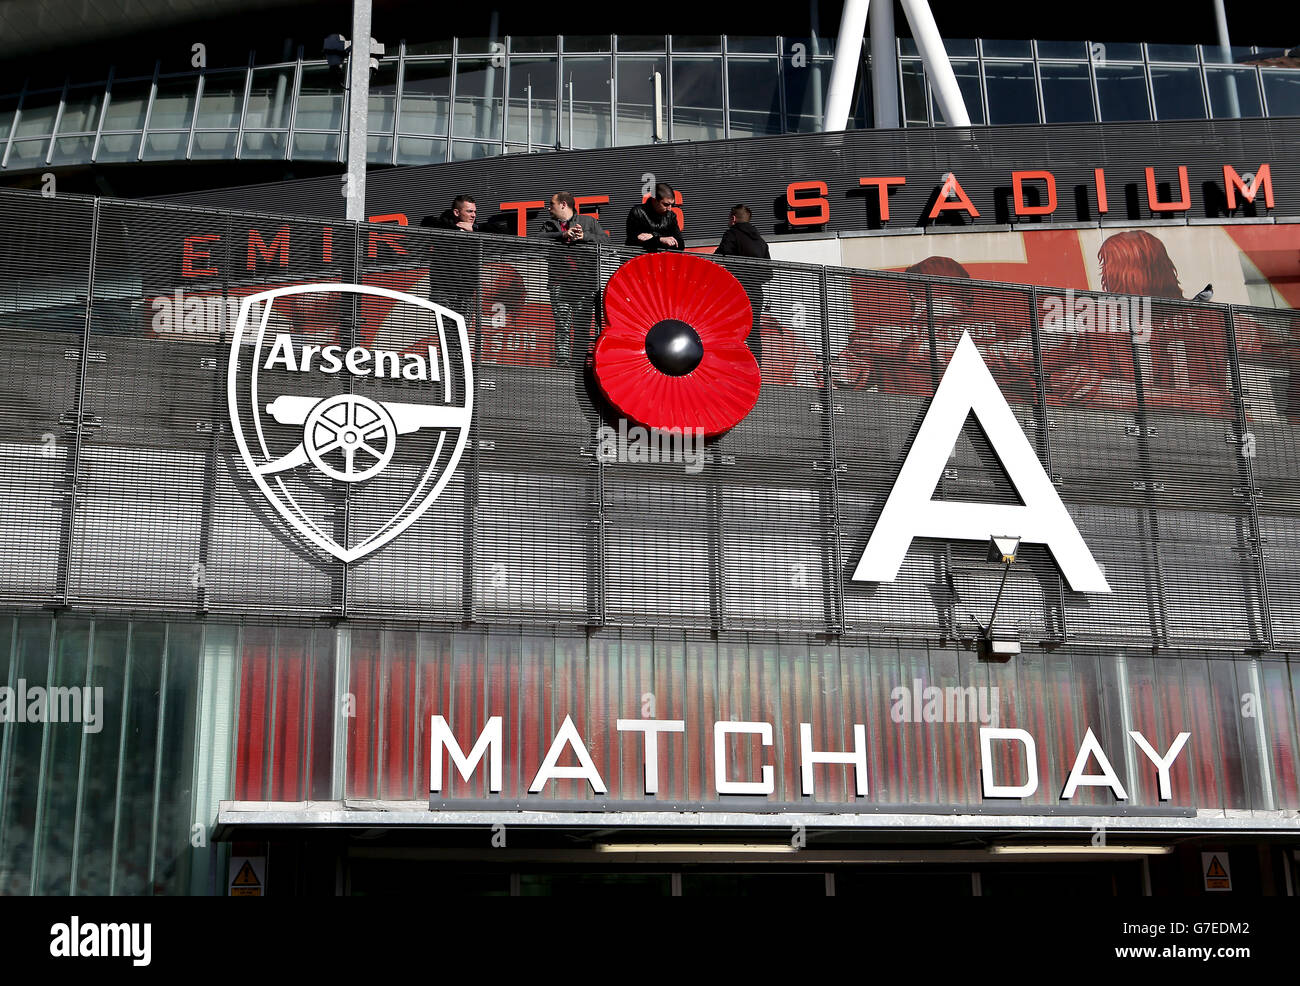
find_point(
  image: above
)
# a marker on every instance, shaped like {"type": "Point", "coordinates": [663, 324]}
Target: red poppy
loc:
{"type": "Point", "coordinates": [673, 351]}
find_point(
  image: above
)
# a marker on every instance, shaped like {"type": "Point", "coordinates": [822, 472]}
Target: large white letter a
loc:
{"type": "Point", "coordinates": [912, 512]}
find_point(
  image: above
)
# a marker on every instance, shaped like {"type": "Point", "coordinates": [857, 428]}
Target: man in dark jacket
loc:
{"type": "Point", "coordinates": [571, 274]}
{"type": "Point", "coordinates": [652, 225]}
{"type": "Point", "coordinates": [742, 239]}
{"type": "Point", "coordinates": [455, 264]}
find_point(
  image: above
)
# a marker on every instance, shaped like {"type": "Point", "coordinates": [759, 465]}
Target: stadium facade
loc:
{"type": "Point", "coordinates": [329, 569]}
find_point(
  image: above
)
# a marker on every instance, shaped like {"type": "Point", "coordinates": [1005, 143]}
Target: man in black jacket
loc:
{"type": "Point", "coordinates": [743, 240]}
{"type": "Point", "coordinates": [455, 264]}
{"type": "Point", "coordinates": [571, 275]}
{"type": "Point", "coordinates": [652, 225]}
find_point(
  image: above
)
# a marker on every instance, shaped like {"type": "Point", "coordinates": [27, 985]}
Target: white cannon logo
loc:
{"type": "Point", "coordinates": [351, 406]}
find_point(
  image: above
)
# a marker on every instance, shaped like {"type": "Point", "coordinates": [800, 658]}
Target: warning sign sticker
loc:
{"type": "Point", "coordinates": [1215, 867]}
{"type": "Point", "coordinates": [247, 876]}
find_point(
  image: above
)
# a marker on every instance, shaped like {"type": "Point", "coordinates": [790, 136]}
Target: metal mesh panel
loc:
{"type": "Point", "coordinates": [1267, 441]}
{"type": "Point", "coordinates": [44, 278]}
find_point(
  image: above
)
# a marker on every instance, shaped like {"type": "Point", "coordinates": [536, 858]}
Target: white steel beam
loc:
{"type": "Point", "coordinates": [937, 66]}
{"type": "Point", "coordinates": [844, 70]}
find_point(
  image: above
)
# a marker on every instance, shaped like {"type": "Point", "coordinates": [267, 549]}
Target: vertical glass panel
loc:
{"type": "Point", "coordinates": [268, 98]}
{"type": "Point", "coordinates": [757, 45]}
{"type": "Point", "coordinates": [81, 110]}
{"type": "Point", "coordinates": [62, 767]}
{"type": "Point", "coordinates": [1282, 91]}
{"type": "Point", "coordinates": [383, 99]}
{"type": "Point", "coordinates": [315, 147]}
{"type": "Point", "coordinates": [539, 73]}
{"type": "Point", "coordinates": [30, 663]}
{"type": "Point", "coordinates": [26, 153]}
{"type": "Point", "coordinates": [1008, 49]}
{"type": "Point", "coordinates": [636, 98]}
{"type": "Point", "coordinates": [263, 144]}
{"type": "Point", "coordinates": [426, 89]}
{"type": "Point", "coordinates": [379, 149]}
{"type": "Point", "coordinates": [1116, 51]}
{"type": "Point", "coordinates": [589, 79]}
{"type": "Point", "coordinates": [1225, 84]}
{"type": "Point", "coordinates": [126, 106]}
{"type": "Point", "coordinates": [548, 43]}
{"type": "Point", "coordinates": [39, 111]}
{"type": "Point", "coordinates": [72, 150]}
{"type": "Point", "coordinates": [118, 147]}
{"type": "Point", "coordinates": [165, 146]}
{"type": "Point", "coordinates": [642, 42]}
{"type": "Point", "coordinates": [914, 113]}
{"type": "Point", "coordinates": [968, 80]}
{"type": "Point", "coordinates": [223, 100]}
{"type": "Point", "coordinates": [1011, 92]}
{"type": "Point", "coordinates": [1067, 93]}
{"type": "Point", "coordinates": [1172, 53]}
{"type": "Point", "coordinates": [586, 42]}
{"type": "Point", "coordinates": [8, 104]}
{"type": "Point", "coordinates": [174, 104]}
{"type": "Point", "coordinates": [755, 96]}
{"type": "Point", "coordinates": [1062, 49]}
{"type": "Point", "coordinates": [320, 101]}
{"type": "Point", "coordinates": [465, 150]}
{"type": "Point", "coordinates": [420, 150]}
{"type": "Point", "coordinates": [697, 99]}
{"type": "Point", "coordinates": [1214, 55]}
{"type": "Point", "coordinates": [1178, 93]}
{"type": "Point", "coordinates": [805, 96]}
{"type": "Point", "coordinates": [479, 89]}
{"type": "Point", "coordinates": [219, 144]}
{"type": "Point", "coordinates": [1122, 91]}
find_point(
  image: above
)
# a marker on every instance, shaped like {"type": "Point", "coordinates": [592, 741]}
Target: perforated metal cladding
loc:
{"type": "Point", "coordinates": [1170, 437]}
{"type": "Point", "coordinates": [44, 272]}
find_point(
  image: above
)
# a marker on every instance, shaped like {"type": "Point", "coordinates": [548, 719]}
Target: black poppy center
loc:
{"type": "Point", "coordinates": [673, 347]}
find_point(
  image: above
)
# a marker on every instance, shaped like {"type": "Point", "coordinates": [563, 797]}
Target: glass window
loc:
{"type": "Point", "coordinates": [263, 144]}
{"type": "Point", "coordinates": [1178, 93]}
{"type": "Point", "coordinates": [39, 111]}
{"type": "Point", "coordinates": [1063, 49]}
{"type": "Point", "coordinates": [219, 144]}
{"type": "Point", "coordinates": [165, 146]}
{"type": "Point", "coordinates": [1225, 84]}
{"type": "Point", "coordinates": [26, 153]}
{"type": "Point", "coordinates": [320, 102]}
{"type": "Point", "coordinates": [907, 46]}
{"type": "Point", "coordinates": [757, 45]}
{"type": "Point", "coordinates": [805, 96]}
{"type": "Point", "coordinates": [481, 46]}
{"type": "Point", "coordinates": [959, 47]}
{"type": "Point", "coordinates": [479, 88]}
{"type": "Point", "coordinates": [1213, 54]}
{"type": "Point", "coordinates": [548, 43]}
{"type": "Point", "coordinates": [1282, 91]}
{"type": "Point", "coordinates": [642, 42]}
{"type": "Point", "coordinates": [222, 101]}
{"type": "Point", "coordinates": [126, 106]}
{"type": "Point", "coordinates": [1122, 91]}
{"type": "Point", "coordinates": [383, 99]}
{"type": "Point", "coordinates": [968, 81]}
{"type": "Point", "coordinates": [1012, 98]}
{"type": "Point", "coordinates": [1116, 51]}
{"type": "Point", "coordinates": [315, 147]}
{"type": "Point", "coordinates": [72, 150]}
{"type": "Point", "coordinates": [586, 42]}
{"type": "Point", "coordinates": [81, 110]}
{"type": "Point", "coordinates": [426, 90]}
{"type": "Point", "coordinates": [1067, 93]}
{"type": "Point", "coordinates": [268, 98]}
{"type": "Point", "coordinates": [1172, 53]}
{"type": "Point", "coordinates": [636, 98]}
{"type": "Point", "coordinates": [466, 150]}
{"type": "Point", "coordinates": [7, 106]}
{"type": "Point", "coordinates": [379, 149]}
{"type": "Point", "coordinates": [704, 44]}
{"type": "Point", "coordinates": [1008, 49]}
{"type": "Point", "coordinates": [118, 147]}
{"type": "Point", "coordinates": [914, 95]}
{"type": "Point", "coordinates": [174, 104]}
{"type": "Point", "coordinates": [697, 98]}
{"type": "Point", "coordinates": [587, 81]}
{"type": "Point", "coordinates": [441, 47]}
{"type": "Point", "coordinates": [540, 74]}
{"type": "Point", "coordinates": [755, 96]}
{"type": "Point", "coordinates": [420, 150]}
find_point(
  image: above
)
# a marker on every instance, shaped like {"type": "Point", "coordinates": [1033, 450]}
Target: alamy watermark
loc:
{"type": "Point", "coordinates": [1106, 313]}
{"type": "Point", "coordinates": [919, 702]}
{"type": "Point", "coordinates": [637, 444]}
{"type": "Point", "coordinates": [58, 704]}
